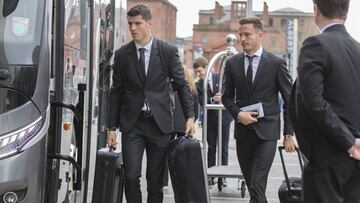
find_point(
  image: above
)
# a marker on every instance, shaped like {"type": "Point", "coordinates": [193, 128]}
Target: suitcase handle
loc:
{"type": "Point", "coordinates": [281, 148]}
{"type": "Point", "coordinates": [112, 148]}
{"type": "Point", "coordinates": [188, 135]}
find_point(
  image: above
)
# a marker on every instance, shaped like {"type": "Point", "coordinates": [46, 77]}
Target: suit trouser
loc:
{"type": "Point", "coordinates": [255, 158]}
{"type": "Point", "coordinates": [212, 137]}
{"type": "Point", "coordinates": [339, 183]}
{"type": "Point", "coordinates": [145, 135]}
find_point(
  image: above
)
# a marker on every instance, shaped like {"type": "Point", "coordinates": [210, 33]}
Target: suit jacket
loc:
{"type": "Point", "coordinates": [328, 108]}
{"type": "Point", "coordinates": [212, 114]}
{"type": "Point", "coordinates": [271, 78]}
{"type": "Point", "coordinates": [130, 87]}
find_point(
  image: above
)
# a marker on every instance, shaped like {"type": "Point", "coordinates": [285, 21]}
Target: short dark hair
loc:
{"type": "Point", "coordinates": [255, 21]}
{"type": "Point", "coordinates": [200, 62]}
{"type": "Point", "coordinates": [140, 9]}
{"type": "Point", "coordinates": [333, 8]}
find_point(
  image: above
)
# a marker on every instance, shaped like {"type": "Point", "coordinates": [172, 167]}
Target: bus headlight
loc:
{"type": "Point", "coordinates": [13, 142]}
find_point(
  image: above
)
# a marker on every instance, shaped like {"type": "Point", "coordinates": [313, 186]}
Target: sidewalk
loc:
{"type": "Point", "coordinates": [230, 193]}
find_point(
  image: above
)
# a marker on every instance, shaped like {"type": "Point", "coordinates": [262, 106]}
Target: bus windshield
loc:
{"type": "Point", "coordinates": [20, 31]}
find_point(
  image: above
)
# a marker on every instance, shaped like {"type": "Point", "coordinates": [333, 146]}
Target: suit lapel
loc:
{"type": "Point", "coordinates": [132, 52]}
{"type": "Point", "coordinates": [263, 61]}
{"type": "Point", "coordinates": [153, 57]}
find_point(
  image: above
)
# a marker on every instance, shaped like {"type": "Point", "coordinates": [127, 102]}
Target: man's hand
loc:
{"type": "Point", "coordinates": [354, 151]}
{"type": "Point", "coordinates": [190, 126]}
{"type": "Point", "coordinates": [111, 138]}
{"type": "Point", "coordinates": [246, 118]}
{"type": "Point", "coordinates": [289, 143]}
{"type": "Point", "coordinates": [217, 97]}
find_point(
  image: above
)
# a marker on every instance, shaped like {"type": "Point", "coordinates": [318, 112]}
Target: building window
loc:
{"type": "Point", "coordinates": [271, 22]}
{"type": "Point", "coordinates": [274, 41]}
{"type": "Point", "coordinates": [211, 20]}
{"type": "Point", "coordinates": [283, 22]}
{"type": "Point", "coordinates": [204, 39]}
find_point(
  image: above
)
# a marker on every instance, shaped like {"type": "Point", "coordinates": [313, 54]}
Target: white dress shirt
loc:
{"type": "Point", "coordinates": [147, 54]}
{"type": "Point", "coordinates": [255, 62]}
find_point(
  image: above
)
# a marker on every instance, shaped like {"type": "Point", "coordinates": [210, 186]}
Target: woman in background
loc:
{"type": "Point", "coordinates": [179, 119]}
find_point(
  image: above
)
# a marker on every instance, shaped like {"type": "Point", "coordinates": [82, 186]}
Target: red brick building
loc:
{"type": "Point", "coordinates": [163, 18]}
{"type": "Point", "coordinates": [285, 29]}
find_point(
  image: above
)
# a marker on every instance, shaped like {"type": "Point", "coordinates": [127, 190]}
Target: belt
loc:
{"type": "Point", "coordinates": [146, 114]}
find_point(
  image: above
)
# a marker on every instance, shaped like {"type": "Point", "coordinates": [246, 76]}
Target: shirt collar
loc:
{"type": "Point", "coordinates": [210, 77]}
{"type": "Point", "coordinates": [327, 26]}
{"type": "Point", "coordinates": [147, 46]}
{"type": "Point", "coordinates": [257, 53]}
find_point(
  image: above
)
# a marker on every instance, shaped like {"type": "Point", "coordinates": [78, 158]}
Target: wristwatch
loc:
{"type": "Point", "coordinates": [112, 129]}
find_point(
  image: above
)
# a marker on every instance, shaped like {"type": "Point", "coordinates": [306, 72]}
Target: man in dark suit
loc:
{"type": "Point", "coordinates": [328, 108]}
{"type": "Point", "coordinates": [200, 65]}
{"type": "Point", "coordinates": [214, 96]}
{"type": "Point", "coordinates": [256, 77]}
{"type": "Point", "coordinates": [141, 104]}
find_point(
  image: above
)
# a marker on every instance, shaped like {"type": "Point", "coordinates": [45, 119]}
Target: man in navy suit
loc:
{"type": "Point", "coordinates": [256, 76]}
{"type": "Point", "coordinates": [328, 108]}
{"type": "Point", "coordinates": [214, 96]}
{"type": "Point", "coordinates": [142, 105]}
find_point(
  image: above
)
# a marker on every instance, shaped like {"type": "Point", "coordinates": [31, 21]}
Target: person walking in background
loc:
{"type": "Point", "coordinates": [141, 105]}
{"type": "Point", "coordinates": [255, 77]}
{"type": "Point", "coordinates": [189, 77]}
{"type": "Point", "coordinates": [179, 118]}
{"type": "Point", "coordinates": [214, 96]}
{"type": "Point", "coordinates": [328, 104]}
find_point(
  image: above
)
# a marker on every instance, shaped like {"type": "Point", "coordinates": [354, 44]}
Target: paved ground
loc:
{"type": "Point", "coordinates": [231, 193]}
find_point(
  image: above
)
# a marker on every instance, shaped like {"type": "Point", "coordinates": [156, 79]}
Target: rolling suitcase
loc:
{"type": "Point", "coordinates": [290, 188]}
{"type": "Point", "coordinates": [109, 177]}
{"type": "Point", "coordinates": [187, 172]}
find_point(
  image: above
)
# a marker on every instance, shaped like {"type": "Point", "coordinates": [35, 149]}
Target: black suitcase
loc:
{"type": "Point", "coordinates": [290, 188]}
{"type": "Point", "coordinates": [187, 172]}
{"type": "Point", "coordinates": [109, 177]}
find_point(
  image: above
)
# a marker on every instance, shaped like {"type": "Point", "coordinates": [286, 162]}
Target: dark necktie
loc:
{"type": "Point", "coordinates": [142, 60]}
{"type": "Point", "coordinates": [249, 73]}
{"type": "Point", "coordinates": [209, 87]}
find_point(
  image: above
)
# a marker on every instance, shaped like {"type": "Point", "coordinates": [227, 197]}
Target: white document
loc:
{"type": "Point", "coordinates": [254, 108]}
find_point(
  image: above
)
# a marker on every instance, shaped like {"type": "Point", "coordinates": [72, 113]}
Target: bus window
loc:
{"type": "Point", "coordinates": [9, 7]}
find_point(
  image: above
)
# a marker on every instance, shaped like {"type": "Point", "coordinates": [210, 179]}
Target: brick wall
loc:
{"type": "Point", "coordinates": [163, 18]}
